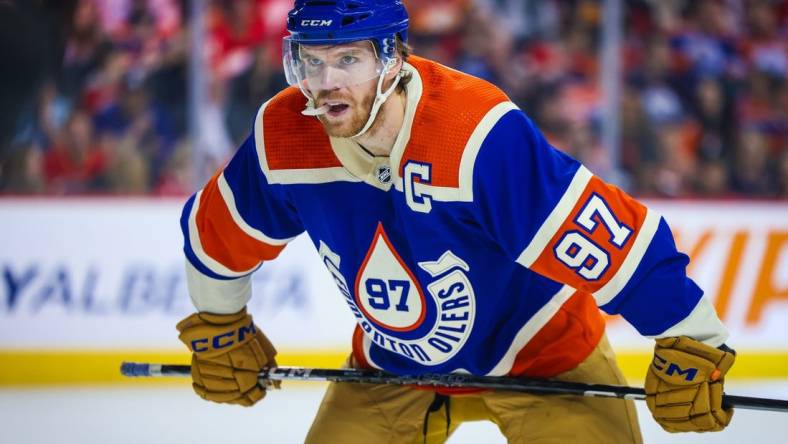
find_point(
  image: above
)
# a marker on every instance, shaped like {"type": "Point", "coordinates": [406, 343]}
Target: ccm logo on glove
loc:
{"type": "Point", "coordinates": [684, 385]}
{"type": "Point", "coordinates": [659, 363]}
{"type": "Point", "coordinates": [223, 340]}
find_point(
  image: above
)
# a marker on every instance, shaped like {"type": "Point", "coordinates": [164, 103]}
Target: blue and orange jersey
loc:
{"type": "Point", "coordinates": [474, 247]}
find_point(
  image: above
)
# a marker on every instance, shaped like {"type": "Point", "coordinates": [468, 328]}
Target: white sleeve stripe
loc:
{"type": "Point", "coordinates": [556, 217]}
{"type": "Point", "coordinates": [217, 296]}
{"type": "Point", "coordinates": [474, 144]}
{"type": "Point", "coordinates": [530, 329]}
{"type": "Point", "coordinates": [229, 200]}
{"type": "Point", "coordinates": [702, 324]}
{"type": "Point", "coordinates": [259, 139]}
{"type": "Point", "coordinates": [194, 240]}
{"type": "Point", "coordinates": [631, 262]}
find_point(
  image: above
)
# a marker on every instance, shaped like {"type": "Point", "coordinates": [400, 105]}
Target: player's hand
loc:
{"type": "Point", "coordinates": [684, 385]}
{"type": "Point", "coordinates": [227, 353]}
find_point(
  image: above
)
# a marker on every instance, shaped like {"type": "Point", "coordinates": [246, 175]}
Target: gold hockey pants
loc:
{"type": "Point", "coordinates": [366, 413]}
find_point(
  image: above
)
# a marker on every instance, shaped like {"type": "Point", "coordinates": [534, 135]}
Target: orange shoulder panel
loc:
{"type": "Point", "coordinates": [293, 140]}
{"type": "Point", "coordinates": [452, 105]}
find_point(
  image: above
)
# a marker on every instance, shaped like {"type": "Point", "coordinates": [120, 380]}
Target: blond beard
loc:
{"type": "Point", "coordinates": [359, 119]}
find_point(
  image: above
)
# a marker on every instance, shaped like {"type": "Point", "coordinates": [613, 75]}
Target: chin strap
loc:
{"type": "Point", "coordinates": [380, 97]}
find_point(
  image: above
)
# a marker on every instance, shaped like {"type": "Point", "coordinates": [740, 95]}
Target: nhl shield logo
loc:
{"type": "Point", "coordinates": [383, 174]}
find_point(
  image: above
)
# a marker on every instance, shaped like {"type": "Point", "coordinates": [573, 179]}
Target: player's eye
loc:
{"type": "Point", "coordinates": [348, 60]}
{"type": "Point", "coordinates": [313, 61]}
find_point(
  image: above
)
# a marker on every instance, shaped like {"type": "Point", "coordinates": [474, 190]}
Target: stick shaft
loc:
{"type": "Point", "coordinates": [538, 386]}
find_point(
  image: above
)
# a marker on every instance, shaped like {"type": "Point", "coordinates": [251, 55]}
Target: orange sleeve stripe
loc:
{"type": "Point", "coordinates": [564, 342]}
{"type": "Point", "coordinates": [222, 239]}
{"type": "Point", "coordinates": [626, 210]}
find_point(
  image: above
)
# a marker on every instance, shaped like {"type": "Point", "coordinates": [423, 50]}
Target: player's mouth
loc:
{"type": "Point", "coordinates": [337, 109]}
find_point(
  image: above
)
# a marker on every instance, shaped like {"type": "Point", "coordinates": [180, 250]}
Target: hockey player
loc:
{"type": "Point", "coordinates": [460, 240]}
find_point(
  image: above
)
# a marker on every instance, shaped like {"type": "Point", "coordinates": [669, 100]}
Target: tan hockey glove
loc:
{"type": "Point", "coordinates": [227, 353]}
{"type": "Point", "coordinates": [684, 385]}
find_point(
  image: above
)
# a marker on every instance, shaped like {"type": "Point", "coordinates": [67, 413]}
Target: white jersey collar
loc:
{"type": "Point", "coordinates": [370, 168]}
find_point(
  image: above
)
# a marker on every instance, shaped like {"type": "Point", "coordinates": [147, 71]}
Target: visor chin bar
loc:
{"type": "Point", "coordinates": [380, 99]}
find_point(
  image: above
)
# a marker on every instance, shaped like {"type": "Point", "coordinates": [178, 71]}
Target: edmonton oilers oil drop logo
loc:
{"type": "Point", "coordinates": [396, 313]}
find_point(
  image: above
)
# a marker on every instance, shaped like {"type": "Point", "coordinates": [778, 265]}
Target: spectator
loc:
{"type": "Point", "coordinates": [761, 106]}
{"type": "Point", "coordinates": [638, 147]}
{"type": "Point", "coordinates": [136, 118]}
{"type": "Point", "coordinates": [236, 28]}
{"type": "Point", "coordinates": [21, 170]}
{"type": "Point", "coordinates": [752, 174]}
{"type": "Point", "coordinates": [129, 171]}
{"type": "Point", "coordinates": [715, 117]}
{"type": "Point", "coordinates": [76, 163]}
{"type": "Point", "coordinates": [673, 171]}
{"type": "Point", "coordinates": [765, 49]}
{"type": "Point", "coordinates": [783, 176]}
{"type": "Point", "coordinates": [86, 49]}
{"type": "Point", "coordinates": [176, 179]}
{"type": "Point", "coordinates": [711, 179]}
{"type": "Point", "coordinates": [704, 105]}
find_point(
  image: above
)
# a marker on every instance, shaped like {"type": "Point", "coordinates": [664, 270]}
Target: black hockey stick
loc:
{"type": "Point", "coordinates": [538, 386]}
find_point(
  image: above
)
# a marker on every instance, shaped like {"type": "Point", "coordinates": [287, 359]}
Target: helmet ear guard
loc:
{"type": "Point", "coordinates": [387, 46]}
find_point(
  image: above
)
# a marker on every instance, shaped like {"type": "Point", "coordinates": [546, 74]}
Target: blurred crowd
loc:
{"type": "Point", "coordinates": [704, 95]}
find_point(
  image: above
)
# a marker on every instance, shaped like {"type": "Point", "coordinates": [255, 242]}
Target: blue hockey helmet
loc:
{"type": "Point", "coordinates": [331, 22]}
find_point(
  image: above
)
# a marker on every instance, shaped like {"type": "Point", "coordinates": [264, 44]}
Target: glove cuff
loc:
{"type": "Point", "coordinates": [222, 319]}
{"type": "Point", "coordinates": [212, 319]}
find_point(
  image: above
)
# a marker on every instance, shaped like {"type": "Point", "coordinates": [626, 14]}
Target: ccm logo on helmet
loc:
{"type": "Point", "coordinates": [223, 340]}
{"type": "Point", "coordinates": [316, 22]}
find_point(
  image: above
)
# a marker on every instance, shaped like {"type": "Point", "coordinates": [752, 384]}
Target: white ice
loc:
{"type": "Point", "coordinates": [144, 414]}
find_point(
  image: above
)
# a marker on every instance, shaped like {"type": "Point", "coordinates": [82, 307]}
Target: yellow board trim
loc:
{"type": "Point", "coordinates": [21, 368]}
{"type": "Point", "coordinates": [44, 367]}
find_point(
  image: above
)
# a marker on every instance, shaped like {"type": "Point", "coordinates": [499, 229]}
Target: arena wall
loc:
{"type": "Point", "coordinates": [89, 282]}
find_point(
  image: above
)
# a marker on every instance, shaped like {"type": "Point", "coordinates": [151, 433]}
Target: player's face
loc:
{"type": "Point", "coordinates": [344, 77]}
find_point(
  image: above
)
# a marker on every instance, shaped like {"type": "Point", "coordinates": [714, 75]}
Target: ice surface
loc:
{"type": "Point", "coordinates": [145, 414]}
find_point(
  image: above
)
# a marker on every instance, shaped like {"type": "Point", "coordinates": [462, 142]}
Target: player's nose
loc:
{"type": "Point", "coordinates": [333, 79]}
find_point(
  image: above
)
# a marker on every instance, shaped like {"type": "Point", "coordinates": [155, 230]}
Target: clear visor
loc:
{"type": "Point", "coordinates": [316, 68]}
